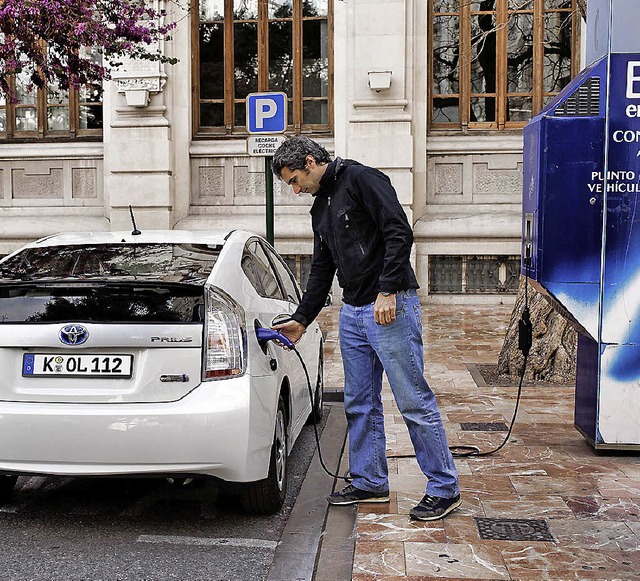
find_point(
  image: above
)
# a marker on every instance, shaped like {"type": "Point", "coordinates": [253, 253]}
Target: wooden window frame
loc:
{"type": "Point", "coordinates": [42, 132]}
{"type": "Point", "coordinates": [230, 102]}
{"type": "Point", "coordinates": [464, 95]}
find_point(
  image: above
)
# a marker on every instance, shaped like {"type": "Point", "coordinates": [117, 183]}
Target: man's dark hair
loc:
{"type": "Point", "coordinates": [293, 154]}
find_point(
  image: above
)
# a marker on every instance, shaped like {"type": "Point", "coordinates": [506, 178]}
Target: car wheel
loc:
{"type": "Point", "coordinates": [267, 496]}
{"type": "Point", "coordinates": [318, 396]}
{"type": "Point", "coordinates": [6, 486]}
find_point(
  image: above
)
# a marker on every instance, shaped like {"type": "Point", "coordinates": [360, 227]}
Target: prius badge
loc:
{"type": "Point", "coordinates": [73, 334]}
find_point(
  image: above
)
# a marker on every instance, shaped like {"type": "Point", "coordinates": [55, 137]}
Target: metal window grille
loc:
{"type": "Point", "coordinates": [445, 274]}
{"type": "Point", "coordinates": [473, 274]}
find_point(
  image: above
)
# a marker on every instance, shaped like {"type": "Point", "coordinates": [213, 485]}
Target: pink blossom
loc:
{"type": "Point", "coordinates": [71, 29]}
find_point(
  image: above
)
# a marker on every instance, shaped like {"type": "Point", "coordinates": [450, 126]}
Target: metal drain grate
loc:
{"type": "Point", "coordinates": [513, 529]}
{"type": "Point", "coordinates": [484, 427]}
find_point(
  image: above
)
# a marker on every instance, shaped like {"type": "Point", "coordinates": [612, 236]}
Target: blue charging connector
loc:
{"type": "Point", "coordinates": [264, 334]}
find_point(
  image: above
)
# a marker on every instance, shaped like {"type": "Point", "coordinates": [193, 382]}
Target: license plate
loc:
{"type": "Point", "coordinates": [47, 365]}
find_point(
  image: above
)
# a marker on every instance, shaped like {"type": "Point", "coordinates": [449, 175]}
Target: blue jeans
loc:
{"type": "Point", "coordinates": [367, 350]}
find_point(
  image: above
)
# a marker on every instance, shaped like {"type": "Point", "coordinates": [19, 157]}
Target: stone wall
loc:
{"type": "Point", "coordinates": [49, 188]}
{"type": "Point", "coordinates": [472, 203]}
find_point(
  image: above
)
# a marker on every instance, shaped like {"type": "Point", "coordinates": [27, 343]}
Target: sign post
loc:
{"type": "Point", "coordinates": [266, 118]}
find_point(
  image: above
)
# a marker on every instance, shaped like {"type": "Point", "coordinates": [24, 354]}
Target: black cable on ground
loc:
{"type": "Point", "coordinates": [467, 451]}
{"type": "Point", "coordinates": [315, 426]}
{"type": "Point", "coordinates": [525, 340]}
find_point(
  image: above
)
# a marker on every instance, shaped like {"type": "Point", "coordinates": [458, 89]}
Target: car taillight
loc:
{"type": "Point", "coordinates": [225, 337]}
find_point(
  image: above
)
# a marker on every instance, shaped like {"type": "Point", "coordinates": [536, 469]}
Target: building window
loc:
{"type": "Point", "coordinates": [495, 63]}
{"type": "Point", "coordinates": [50, 112]}
{"type": "Point", "coordinates": [249, 46]}
{"type": "Point", "coordinates": [300, 266]}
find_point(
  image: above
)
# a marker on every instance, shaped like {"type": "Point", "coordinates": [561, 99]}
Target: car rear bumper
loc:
{"type": "Point", "coordinates": [222, 429]}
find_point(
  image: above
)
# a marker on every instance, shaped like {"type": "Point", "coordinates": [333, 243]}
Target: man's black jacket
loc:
{"type": "Point", "coordinates": [361, 230]}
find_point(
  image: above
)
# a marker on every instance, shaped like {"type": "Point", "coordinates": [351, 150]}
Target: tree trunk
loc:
{"type": "Point", "coordinates": [553, 353]}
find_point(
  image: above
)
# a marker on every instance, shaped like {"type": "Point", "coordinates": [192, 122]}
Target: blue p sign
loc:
{"type": "Point", "coordinates": [266, 112]}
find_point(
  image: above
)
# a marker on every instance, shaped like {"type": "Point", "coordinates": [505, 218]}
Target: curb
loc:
{"type": "Point", "coordinates": [333, 396]}
{"type": "Point", "coordinates": [296, 554]}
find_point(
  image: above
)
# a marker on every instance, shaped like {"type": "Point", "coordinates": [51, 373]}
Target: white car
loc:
{"type": "Point", "coordinates": [136, 354]}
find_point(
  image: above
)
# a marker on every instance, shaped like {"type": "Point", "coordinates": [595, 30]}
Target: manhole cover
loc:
{"type": "Point", "coordinates": [484, 427]}
{"type": "Point", "coordinates": [513, 529]}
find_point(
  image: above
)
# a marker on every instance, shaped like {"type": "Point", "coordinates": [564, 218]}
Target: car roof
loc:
{"type": "Point", "coordinates": [210, 237]}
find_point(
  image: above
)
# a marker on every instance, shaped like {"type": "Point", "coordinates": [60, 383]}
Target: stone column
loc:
{"type": "Point", "coordinates": [375, 80]}
{"type": "Point", "coordinates": [138, 149]}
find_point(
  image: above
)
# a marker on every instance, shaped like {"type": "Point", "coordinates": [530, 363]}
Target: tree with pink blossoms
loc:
{"type": "Point", "coordinates": [55, 42]}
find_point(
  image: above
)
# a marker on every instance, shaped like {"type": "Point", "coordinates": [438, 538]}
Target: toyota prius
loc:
{"type": "Point", "coordinates": [136, 354]}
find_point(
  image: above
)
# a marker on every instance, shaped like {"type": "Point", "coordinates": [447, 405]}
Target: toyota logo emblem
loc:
{"type": "Point", "coordinates": [73, 334]}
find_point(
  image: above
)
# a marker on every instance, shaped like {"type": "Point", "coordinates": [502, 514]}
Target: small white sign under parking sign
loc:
{"type": "Point", "coordinates": [264, 145]}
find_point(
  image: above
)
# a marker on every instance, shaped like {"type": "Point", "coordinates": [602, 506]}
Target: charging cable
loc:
{"type": "Point", "coordinates": [525, 340]}
{"type": "Point", "coordinates": [265, 334]}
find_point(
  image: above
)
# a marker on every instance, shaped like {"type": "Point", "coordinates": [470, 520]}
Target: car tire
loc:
{"type": "Point", "coordinates": [318, 394]}
{"type": "Point", "coordinates": [6, 486]}
{"type": "Point", "coordinates": [267, 496]}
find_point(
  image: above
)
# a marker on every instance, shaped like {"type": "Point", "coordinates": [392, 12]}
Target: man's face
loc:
{"type": "Point", "coordinates": [305, 181]}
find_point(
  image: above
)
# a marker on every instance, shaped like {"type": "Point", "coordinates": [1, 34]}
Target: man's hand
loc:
{"type": "Point", "coordinates": [292, 330]}
{"type": "Point", "coordinates": [384, 309]}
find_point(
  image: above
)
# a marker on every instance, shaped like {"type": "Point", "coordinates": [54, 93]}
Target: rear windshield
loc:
{"type": "Point", "coordinates": [170, 263]}
{"type": "Point", "coordinates": [105, 303]}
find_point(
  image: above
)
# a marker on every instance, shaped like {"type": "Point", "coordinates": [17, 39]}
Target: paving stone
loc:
{"type": "Point", "coordinates": [547, 471]}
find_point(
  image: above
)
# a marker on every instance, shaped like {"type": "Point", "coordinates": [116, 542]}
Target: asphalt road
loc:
{"type": "Point", "coordinates": [72, 529]}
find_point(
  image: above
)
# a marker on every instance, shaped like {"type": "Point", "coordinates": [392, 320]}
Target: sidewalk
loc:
{"type": "Point", "coordinates": [546, 507]}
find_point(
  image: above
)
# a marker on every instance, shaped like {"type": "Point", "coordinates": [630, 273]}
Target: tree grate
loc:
{"type": "Point", "coordinates": [513, 529]}
{"type": "Point", "coordinates": [484, 427]}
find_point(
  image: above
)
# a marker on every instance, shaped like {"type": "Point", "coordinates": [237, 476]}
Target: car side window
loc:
{"type": "Point", "coordinates": [287, 279]}
{"type": "Point", "coordinates": [256, 267]}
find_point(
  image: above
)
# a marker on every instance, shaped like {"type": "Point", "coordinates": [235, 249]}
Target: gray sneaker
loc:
{"type": "Point", "coordinates": [352, 495]}
{"type": "Point", "coordinates": [434, 507]}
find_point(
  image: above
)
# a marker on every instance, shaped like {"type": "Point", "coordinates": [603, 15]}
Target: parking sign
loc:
{"type": "Point", "coordinates": [266, 112]}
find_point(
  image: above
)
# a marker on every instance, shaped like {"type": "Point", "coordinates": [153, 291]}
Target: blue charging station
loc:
{"type": "Point", "coordinates": [581, 221]}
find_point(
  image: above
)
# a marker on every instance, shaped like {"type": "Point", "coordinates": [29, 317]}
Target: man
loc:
{"type": "Point", "coordinates": [361, 230]}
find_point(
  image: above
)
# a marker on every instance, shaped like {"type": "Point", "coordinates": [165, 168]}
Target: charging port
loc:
{"type": "Point", "coordinates": [528, 239]}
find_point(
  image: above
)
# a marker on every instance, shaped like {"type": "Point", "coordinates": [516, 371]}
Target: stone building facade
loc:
{"type": "Point", "coordinates": [459, 182]}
